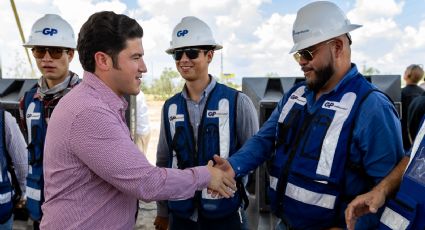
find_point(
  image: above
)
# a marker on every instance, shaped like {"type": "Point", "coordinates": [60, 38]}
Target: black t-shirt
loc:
{"type": "Point", "coordinates": [408, 94]}
{"type": "Point", "coordinates": [415, 113]}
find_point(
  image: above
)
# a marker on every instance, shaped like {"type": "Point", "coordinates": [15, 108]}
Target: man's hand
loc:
{"type": "Point", "coordinates": [220, 182]}
{"type": "Point", "coordinates": [363, 204]}
{"type": "Point", "coordinates": [224, 165]}
{"type": "Point", "coordinates": [161, 223]}
{"type": "Point", "coordinates": [370, 202]}
{"type": "Point", "coordinates": [21, 204]}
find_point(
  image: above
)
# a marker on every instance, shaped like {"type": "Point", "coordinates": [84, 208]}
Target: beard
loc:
{"type": "Point", "coordinates": [322, 77]}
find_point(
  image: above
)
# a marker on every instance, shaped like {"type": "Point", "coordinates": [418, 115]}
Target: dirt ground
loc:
{"type": "Point", "coordinates": [154, 111]}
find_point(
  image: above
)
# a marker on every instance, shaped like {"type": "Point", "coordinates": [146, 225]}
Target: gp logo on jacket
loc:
{"type": "Point", "coordinates": [308, 169]}
{"type": "Point", "coordinates": [216, 135]}
{"type": "Point", "coordinates": [407, 209]}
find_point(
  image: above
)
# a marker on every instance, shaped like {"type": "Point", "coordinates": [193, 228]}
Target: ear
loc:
{"type": "Point", "coordinates": [339, 47]}
{"type": "Point", "coordinates": [210, 56]}
{"type": "Point", "coordinates": [70, 55]}
{"type": "Point", "coordinates": [103, 61]}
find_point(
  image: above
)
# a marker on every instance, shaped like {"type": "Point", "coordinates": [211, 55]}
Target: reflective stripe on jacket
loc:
{"type": "Point", "coordinates": [216, 135]}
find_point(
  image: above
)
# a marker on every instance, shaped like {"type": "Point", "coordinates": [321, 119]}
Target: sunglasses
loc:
{"type": "Point", "coordinates": [307, 54]}
{"type": "Point", "coordinates": [191, 53]}
{"type": "Point", "coordinates": [54, 52]}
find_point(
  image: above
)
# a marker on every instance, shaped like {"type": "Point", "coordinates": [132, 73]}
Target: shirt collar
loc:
{"type": "Point", "coordinates": [58, 90]}
{"type": "Point", "coordinates": [206, 91]}
{"type": "Point", "coordinates": [107, 95]}
{"type": "Point", "coordinates": [347, 77]}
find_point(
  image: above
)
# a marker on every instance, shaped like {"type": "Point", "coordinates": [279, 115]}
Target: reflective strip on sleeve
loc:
{"type": "Point", "coordinates": [5, 198]}
{"type": "Point", "coordinates": [342, 111]}
{"type": "Point", "coordinates": [394, 220]}
{"type": "Point", "coordinates": [33, 193]}
{"type": "Point", "coordinates": [309, 197]}
{"type": "Point", "coordinates": [296, 97]}
{"type": "Point", "coordinates": [273, 182]}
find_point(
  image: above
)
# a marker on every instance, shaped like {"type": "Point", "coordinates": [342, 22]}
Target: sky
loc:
{"type": "Point", "coordinates": [256, 34]}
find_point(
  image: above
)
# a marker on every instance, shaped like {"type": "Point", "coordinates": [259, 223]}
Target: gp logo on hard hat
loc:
{"type": "Point", "coordinates": [50, 31]}
{"type": "Point", "coordinates": [181, 33]}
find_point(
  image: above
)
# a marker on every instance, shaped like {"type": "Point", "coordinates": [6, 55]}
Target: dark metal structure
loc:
{"type": "Point", "coordinates": [10, 92]}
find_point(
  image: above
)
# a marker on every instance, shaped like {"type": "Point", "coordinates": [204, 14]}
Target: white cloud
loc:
{"type": "Point", "coordinates": [365, 10]}
{"type": "Point", "coordinates": [377, 18]}
{"type": "Point", "coordinates": [379, 31]}
{"type": "Point", "coordinates": [233, 26]}
{"type": "Point", "coordinates": [75, 12]}
{"type": "Point", "coordinates": [383, 43]}
{"type": "Point", "coordinates": [268, 52]}
{"type": "Point", "coordinates": [255, 43]}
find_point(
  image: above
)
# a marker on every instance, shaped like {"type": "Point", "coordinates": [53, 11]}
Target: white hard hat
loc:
{"type": "Point", "coordinates": [191, 31]}
{"type": "Point", "coordinates": [317, 22]}
{"type": "Point", "coordinates": [51, 30]}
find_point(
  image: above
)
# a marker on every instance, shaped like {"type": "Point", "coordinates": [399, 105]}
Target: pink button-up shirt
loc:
{"type": "Point", "coordinates": [93, 171]}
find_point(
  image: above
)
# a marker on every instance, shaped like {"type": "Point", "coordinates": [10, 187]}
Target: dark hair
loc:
{"type": "Point", "coordinates": [107, 32]}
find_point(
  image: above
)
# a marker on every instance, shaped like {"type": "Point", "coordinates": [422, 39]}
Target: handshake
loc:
{"type": "Point", "coordinates": [222, 181]}
{"type": "Point", "coordinates": [222, 184]}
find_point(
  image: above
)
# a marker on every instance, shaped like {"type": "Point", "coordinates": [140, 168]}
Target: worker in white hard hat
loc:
{"type": "Point", "coordinates": [52, 43]}
{"type": "Point", "coordinates": [204, 119]}
{"type": "Point", "coordinates": [333, 136]}
{"type": "Point", "coordinates": [94, 173]}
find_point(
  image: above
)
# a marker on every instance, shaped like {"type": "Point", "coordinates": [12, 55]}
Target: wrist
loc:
{"type": "Point", "coordinates": [381, 189]}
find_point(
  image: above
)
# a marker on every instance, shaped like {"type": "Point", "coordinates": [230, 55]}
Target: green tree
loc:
{"type": "Point", "coordinates": [168, 84]}
{"type": "Point", "coordinates": [272, 75]}
{"type": "Point", "coordinates": [369, 71]}
{"type": "Point", "coordinates": [145, 87]}
{"type": "Point", "coordinates": [21, 69]}
{"type": "Point", "coordinates": [226, 78]}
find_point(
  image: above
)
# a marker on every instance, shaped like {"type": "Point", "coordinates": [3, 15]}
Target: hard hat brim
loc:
{"type": "Point", "coordinates": [315, 40]}
{"type": "Point", "coordinates": [171, 49]}
{"type": "Point", "coordinates": [49, 44]}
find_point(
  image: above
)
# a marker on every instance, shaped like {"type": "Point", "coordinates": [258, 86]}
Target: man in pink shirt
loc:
{"type": "Point", "coordinates": [93, 171]}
